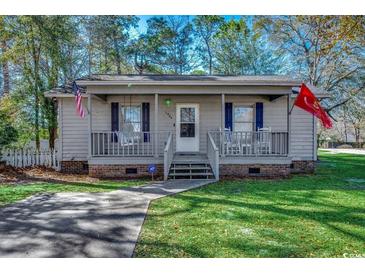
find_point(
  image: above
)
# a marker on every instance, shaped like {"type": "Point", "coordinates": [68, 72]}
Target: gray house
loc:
{"type": "Point", "coordinates": [186, 126]}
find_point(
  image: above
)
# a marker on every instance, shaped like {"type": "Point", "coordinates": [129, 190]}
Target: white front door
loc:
{"type": "Point", "coordinates": [187, 127]}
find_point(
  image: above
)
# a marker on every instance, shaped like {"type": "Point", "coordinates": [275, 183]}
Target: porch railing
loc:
{"type": "Point", "coordinates": [213, 155]}
{"type": "Point", "coordinates": [168, 156]}
{"type": "Point", "coordinates": [257, 143]}
{"type": "Point", "coordinates": [122, 144]}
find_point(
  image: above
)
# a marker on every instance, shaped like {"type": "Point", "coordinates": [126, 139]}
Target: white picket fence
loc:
{"type": "Point", "coordinates": [27, 158]}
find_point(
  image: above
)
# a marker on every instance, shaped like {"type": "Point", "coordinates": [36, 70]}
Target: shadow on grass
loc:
{"type": "Point", "coordinates": [334, 214]}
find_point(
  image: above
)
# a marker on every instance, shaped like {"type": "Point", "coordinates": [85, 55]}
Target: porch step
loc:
{"type": "Point", "coordinates": [192, 161]}
{"type": "Point", "coordinates": [191, 168]}
{"type": "Point", "coordinates": [188, 167]}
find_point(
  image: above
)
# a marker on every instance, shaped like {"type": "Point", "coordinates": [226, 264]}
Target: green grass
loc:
{"type": "Point", "coordinates": [321, 215]}
{"type": "Point", "coordinates": [10, 193]}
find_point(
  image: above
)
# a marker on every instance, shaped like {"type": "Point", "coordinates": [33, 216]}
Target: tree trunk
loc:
{"type": "Point", "coordinates": [52, 131]}
{"type": "Point", "coordinates": [52, 124]}
{"type": "Point", "coordinates": [117, 56]}
{"type": "Point", "coordinates": [36, 119]}
{"type": "Point", "coordinates": [357, 136]}
{"type": "Point", "coordinates": [5, 69]}
{"type": "Point", "coordinates": [210, 60]}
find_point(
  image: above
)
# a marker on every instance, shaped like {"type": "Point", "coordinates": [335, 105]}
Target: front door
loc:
{"type": "Point", "coordinates": [187, 127]}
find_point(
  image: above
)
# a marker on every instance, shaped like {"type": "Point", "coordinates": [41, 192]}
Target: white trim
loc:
{"type": "Point", "coordinates": [189, 83]}
{"type": "Point", "coordinates": [60, 127]}
{"type": "Point", "coordinates": [168, 92]}
{"type": "Point", "coordinates": [156, 110]}
{"type": "Point", "coordinates": [90, 125]}
{"type": "Point", "coordinates": [187, 92]}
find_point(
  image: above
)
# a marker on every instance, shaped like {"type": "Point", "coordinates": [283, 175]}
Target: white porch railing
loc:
{"type": "Point", "coordinates": [122, 144]}
{"type": "Point", "coordinates": [213, 155]}
{"type": "Point", "coordinates": [168, 156]}
{"type": "Point", "coordinates": [258, 143]}
{"type": "Point", "coordinates": [27, 158]}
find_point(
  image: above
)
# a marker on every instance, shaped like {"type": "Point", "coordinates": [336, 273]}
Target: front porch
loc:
{"type": "Point", "coordinates": [143, 129]}
{"type": "Point", "coordinates": [109, 147]}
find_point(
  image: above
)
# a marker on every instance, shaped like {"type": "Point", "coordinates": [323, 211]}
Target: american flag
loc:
{"type": "Point", "coordinates": [78, 99]}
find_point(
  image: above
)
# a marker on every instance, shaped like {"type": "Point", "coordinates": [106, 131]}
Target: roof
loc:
{"type": "Point", "coordinates": [320, 93]}
{"type": "Point", "coordinates": [188, 80]}
{"type": "Point", "coordinates": [163, 79]}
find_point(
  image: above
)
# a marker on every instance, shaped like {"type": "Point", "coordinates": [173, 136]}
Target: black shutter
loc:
{"type": "Point", "coordinates": [146, 121]}
{"type": "Point", "coordinates": [228, 123]}
{"type": "Point", "coordinates": [115, 120]}
{"type": "Point", "coordinates": [259, 115]}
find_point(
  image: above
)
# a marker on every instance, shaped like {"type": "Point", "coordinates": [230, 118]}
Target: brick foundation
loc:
{"type": "Point", "coordinates": [302, 167]}
{"type": "Point", "coordinates": [242, 170]}
{"type": "Point", "coordinates": [120, 171]}
{"type": "Point", "coordinates": [74, 167]}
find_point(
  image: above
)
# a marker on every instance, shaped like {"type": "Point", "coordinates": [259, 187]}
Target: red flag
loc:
{"type": "Point", "coordinates": [307, 101]}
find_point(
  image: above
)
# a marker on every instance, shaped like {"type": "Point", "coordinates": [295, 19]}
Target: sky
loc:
{"type": "Point", "coordinates": [142, 24]}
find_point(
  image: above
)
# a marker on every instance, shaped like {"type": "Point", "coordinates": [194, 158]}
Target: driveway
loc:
{"type": "Point", "coordinates": [81, 224]}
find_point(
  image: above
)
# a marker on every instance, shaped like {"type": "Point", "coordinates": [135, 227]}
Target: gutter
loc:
{"type": "Point", "coordinates": [188, 83]}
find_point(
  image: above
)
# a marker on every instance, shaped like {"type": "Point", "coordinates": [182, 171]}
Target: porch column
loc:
{"type": "Point", "coordinates": [223, 119]}
{"type": "Point", "coordinates": [89, 108]}
{"type": "Point", "coordinates": [288, 124]}
{"type": "Point", "coordinates": [156, 137]}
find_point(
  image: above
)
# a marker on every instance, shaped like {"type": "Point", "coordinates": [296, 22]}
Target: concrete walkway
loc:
{"type": "Point", "coordinates": [81, 224]}
{"type": "Point", "coordinates": [345, 150]}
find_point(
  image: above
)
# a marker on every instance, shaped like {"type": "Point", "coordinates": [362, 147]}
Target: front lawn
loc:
{"type": "Point", "coordinates": [10, 193]}
{"type": "Point", "coordinates": [321, 215]}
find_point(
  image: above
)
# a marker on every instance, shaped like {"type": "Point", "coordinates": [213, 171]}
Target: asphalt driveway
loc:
{"type": "Point", "coordinates": [80, 224]}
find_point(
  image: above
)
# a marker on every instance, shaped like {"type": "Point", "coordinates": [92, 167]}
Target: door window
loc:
{"type": "Point", "coordinates": [187, 122]}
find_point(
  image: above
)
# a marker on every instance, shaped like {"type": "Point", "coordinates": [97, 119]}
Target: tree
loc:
{"type": "Point", "coordinates": [171, 44]}
{"type": "Point", "coordinates": [8, 134]}
{"type": "Point", "coordinates": [37, 52]}
{"type": "Point", "coordinates": [326, 51]}
{"type": "Point", "coordinates": [240, 50]}
{"type": "Point", "coordinates": [206, 27]}
{"type": "Point", "coordinates": [4, 41]}
{"type": "Point", "coordinates": [356, 117]}
{"type": "Point", "coordinates": [109, 39]}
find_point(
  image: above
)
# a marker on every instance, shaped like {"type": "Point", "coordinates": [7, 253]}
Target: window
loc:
{"type": "Point", "coordinates": [243, 118]}
{"type": "Point", "coordinates": [187, 122]}
{"type": "Point", "coordinates": [130, 119]}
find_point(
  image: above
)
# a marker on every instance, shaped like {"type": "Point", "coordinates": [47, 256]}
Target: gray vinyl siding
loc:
{"type": "Point", "coordinates": [74, 131]}
{"type": "Point", "coordinates": [302, 139]}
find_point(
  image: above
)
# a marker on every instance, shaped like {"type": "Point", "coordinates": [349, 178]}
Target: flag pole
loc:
{"type": "Point", "coordinates": [291, 108]}
{"type": "Point", "coordinates": [295, 101]}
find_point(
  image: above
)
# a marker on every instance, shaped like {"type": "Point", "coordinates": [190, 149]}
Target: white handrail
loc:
{"type": "Point", "coordinates": [251, 143]}
{"type": "Point", "coordinates": [213, 156]}
{"type": "Point", "coordinates": [168, 155]}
